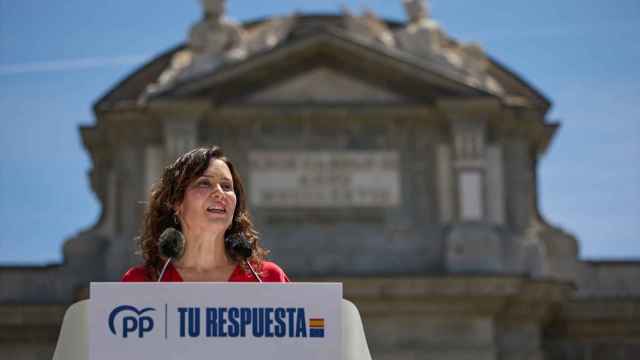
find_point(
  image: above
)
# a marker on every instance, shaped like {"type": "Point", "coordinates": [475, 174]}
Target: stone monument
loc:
{"type": "Point", "coordinates": [382, 154]}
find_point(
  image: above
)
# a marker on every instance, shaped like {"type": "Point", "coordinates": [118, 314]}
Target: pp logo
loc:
{"type": "Point", "coordinates": [134, 323]}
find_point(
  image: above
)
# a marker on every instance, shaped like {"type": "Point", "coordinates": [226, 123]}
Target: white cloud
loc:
{"type": "Point", "coordinates": [71, 64]}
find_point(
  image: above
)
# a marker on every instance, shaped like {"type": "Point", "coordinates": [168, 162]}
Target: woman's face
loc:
{"type": "Point", "coordinates": [209, 201]}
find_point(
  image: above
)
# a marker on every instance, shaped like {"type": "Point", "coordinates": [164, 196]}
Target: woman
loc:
{"type": "Point", "coordinates": [201, 195]}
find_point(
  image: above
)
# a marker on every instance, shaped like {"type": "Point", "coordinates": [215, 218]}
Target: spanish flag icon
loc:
{"type": "Point", "coordinates": [316, 327]}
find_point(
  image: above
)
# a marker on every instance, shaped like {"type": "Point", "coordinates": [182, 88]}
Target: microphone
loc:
{"type": "Point", "coordinates": [171, 246]}
{"type": "Point", "coordinates": [241, 246]}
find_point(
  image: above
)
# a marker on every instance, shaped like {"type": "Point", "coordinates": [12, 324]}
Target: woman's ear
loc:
{"type": "Point", "coordinates": [177, 210]}
{"type": "Point", "coordinates": [177, 213]}
{"type": "Point", "coordinates": [176, 207]}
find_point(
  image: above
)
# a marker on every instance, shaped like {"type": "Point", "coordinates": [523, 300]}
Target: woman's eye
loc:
{"type": "Point", "coordinates": [203, 184]}
{"type": "Point", "coordinates": [227, 187]}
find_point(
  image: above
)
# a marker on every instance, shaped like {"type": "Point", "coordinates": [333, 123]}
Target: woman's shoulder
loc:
{"type": "Point", "coordinates": [271, 272]}
{"type": "Point", "coordinates": [135, 274]}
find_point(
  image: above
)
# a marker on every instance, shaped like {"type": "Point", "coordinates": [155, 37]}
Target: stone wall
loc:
{"type": "Point", "coordinates": [29, 332]}
{"type": "Point", "coordinates": [596, 328]}
{"type": "Point", "coordinates": [33, 285]}
{"type": "Point", "coordinates": [455, 317]}
{"type": "Point", "coordinates": [608, 279]}
{"type": "Point", "coordinates": [347, 240]}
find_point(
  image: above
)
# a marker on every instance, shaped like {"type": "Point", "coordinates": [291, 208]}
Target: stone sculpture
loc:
{"type": "Point", "coordinates": [214, 35]}
{"type": "Point", "coordinates": [422, 35]}
{"type": "Point", "coordinates": [268, 35]}
{"type": "Point", "coordinates": [212, 41]}
{"type": "Point", "coordinates": [368, 27]}
{"type": "Point", "coordinates": [215, 40]}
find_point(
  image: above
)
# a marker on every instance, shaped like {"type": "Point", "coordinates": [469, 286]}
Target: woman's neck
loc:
{"type": "Point", "coordinates": [204, 251]}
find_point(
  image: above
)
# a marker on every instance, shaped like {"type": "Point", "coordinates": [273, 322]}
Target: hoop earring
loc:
{"type": "Point", "coordinates": [175, 219]}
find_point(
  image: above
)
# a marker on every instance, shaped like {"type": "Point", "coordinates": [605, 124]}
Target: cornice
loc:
{"type": "Point", "coordinates": [511, 297]}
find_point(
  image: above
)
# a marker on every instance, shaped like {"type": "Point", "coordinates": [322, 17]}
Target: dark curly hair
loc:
{"type": "Point", "coordinates": [170, 190]}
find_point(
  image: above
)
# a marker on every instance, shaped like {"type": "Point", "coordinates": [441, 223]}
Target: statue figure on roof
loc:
{"type": "Point", "coordinates": [268, 34]}
{"type": "Point", "coordinates": [212, 41]}
{"type": "Point", "coordinates": [215, 35]}
{"type": "Point", "coordinates": [369, 27]}
{"type": "Point", "coordinates": [417, 10]}
{"type": "Point", "coordinates": [422, 35]}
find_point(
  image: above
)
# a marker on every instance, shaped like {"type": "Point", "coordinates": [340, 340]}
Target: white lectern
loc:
{"type": "Point", "coordinates": [73, 341]}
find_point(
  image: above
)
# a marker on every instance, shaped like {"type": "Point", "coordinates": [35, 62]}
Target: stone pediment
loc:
{"type": "Point", "coordinates": [323, 85]}
{"type": "Point", "coordinates": [399, 58]}
{"type": "Point", "coordinates": [367, 69]}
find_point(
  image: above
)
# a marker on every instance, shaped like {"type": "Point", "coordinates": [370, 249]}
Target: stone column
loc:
{"type": "Point", "coordinates": [472, 243]}
{"type": "Point", "coordinates": [518, 181]}
{"type": "Point", "coordinates": [129, 181]}
{"type": "Point", "coordinates": [495, 185]}
{"type": "Point", "coordinates": [180, 135]}
{"type": "Point", "coordinates": [444, 183]}
{"type": "Point", "coordinates": [154, 161]}
{"type": "Point", "coordinates": [475, 169]}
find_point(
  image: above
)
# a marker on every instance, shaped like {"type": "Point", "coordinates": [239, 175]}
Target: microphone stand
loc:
{"type": "Point", "coordinates": [253, 271]}
{"type": "Point", "coordinates": [255, 274]}
{"type": "Point", "coordinates": [164, 268]}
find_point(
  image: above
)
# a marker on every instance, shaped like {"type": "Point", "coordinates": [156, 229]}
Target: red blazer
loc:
{"type": "Point", "coordinates": [270, 272]}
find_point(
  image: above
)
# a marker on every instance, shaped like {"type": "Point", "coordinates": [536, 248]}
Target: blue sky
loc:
{"type": "Point", "coordinates": [56, 58]}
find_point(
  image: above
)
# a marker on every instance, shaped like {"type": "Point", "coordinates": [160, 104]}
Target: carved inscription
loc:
{"type": "Point", "coordinates": [324, 179]}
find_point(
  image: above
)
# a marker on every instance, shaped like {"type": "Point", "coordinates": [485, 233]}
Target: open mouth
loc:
{"type": "Point", "coordinates": [216, 209]}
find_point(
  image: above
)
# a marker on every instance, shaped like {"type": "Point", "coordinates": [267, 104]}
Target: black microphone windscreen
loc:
{"type": "Point", "coordinates": [171, 243]}
{"type": "Point", "coordinates": [240, 245]}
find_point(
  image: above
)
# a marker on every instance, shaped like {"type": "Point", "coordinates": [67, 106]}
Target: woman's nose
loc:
{"type": "Point", "coordinates": [217, 191]}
